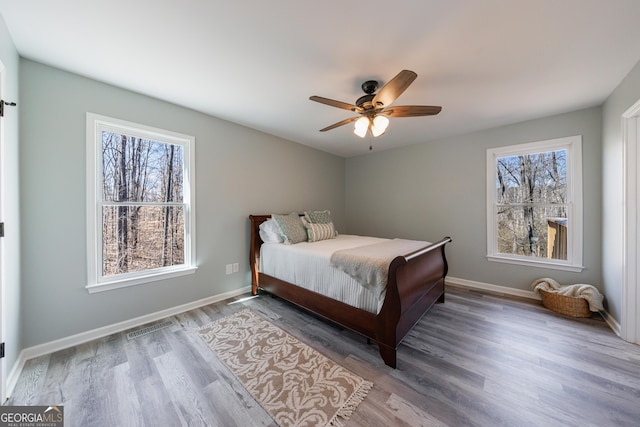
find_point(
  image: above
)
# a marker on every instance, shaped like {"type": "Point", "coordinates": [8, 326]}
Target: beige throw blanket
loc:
{"type": "Point", "coordinates": [588, 292]}
{"type": "Point", "coordinates": [369, 264]}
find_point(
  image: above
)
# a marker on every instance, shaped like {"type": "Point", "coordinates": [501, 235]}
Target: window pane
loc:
{"type": "Point", "coordinates": [532, 178]}
{"type": "Point", "coordinates": [140, 170]}
{"type": "Point", "coordinates": [533, 231]}
{"type": "Point", "coordinates": [138, 238]}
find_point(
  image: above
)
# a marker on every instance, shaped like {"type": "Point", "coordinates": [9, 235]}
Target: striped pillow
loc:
{"type": "Point", "coordinates": [316, 232]}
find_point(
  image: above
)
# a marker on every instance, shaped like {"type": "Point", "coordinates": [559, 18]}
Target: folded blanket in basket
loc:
{"type": "Point", "coordinates": [587, 292]}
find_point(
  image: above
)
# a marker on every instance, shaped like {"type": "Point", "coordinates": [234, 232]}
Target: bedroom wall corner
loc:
{"type": "Point", "coordinates": [626, 94]}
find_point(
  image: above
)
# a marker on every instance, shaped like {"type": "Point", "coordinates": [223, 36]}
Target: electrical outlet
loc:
{"type": "Point", "coordinates": [229, 268]}
{"type": "Point", "coordinates": [236, 267]}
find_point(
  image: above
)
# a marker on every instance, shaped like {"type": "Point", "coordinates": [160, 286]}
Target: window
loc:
{"type": "Point", "coordinates": [141, 216]}
{"type": "Point", "coordinates": [534, 204]}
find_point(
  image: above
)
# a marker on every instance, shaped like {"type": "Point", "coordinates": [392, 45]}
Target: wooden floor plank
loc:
{"type": "Point", "coordinates": [29, 387]}
{"type": "Point", "coordinates": [476, 360]}
{"type": "Point", "coordinates": [188, 399]}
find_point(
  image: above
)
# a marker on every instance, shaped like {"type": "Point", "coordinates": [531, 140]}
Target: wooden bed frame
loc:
{"type": "Point", "coordinates": [415, 283]}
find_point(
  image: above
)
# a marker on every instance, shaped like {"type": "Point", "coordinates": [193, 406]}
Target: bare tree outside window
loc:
{"type": "Point", "coordinates": [534, 204]}
{"type": "Point", "coordinates": [532, 216]}
{"type": "Point", "coordinates": [140, 204]}
{"type": "Point", "coordinates": [143, 225]}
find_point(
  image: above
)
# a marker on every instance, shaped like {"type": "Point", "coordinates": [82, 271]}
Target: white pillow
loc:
{"type": "Point", "coordinates": [270, 232]}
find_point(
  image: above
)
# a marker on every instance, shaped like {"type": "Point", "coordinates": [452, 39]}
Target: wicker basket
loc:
{"type": "Point", "coordinates": [569, 306]}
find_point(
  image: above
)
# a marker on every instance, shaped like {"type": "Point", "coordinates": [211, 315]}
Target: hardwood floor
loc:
{"type": "Point", "coordinates": [476, 360]}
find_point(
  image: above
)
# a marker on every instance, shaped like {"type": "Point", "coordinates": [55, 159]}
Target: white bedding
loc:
{"type": "Point", "coordinates": [307, 265]}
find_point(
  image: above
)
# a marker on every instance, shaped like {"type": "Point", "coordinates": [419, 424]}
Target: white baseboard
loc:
{"type": "Point", "coordinates": [613, 323]}
{"type": "Point", "coordinates": [487, 287]}
{"type": "Point", "coordinates": [83, 337]}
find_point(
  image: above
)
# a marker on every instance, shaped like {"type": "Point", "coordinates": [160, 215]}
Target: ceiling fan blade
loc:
{"type": "Point", "coordinates": [334, 103]}
{"type": "Point", "coordinates": [393, 89]}
{"type": "Point", "coordinates": [343, 122]}
{"type": "Point", "coordinates": [411, 111]}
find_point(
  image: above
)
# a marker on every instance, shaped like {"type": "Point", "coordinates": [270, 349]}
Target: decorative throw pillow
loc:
{"type": "Point", "coordinates": [318, 217]}
{"type": "Point", "coordinates": [292, 228]}
{"type": "Point", "coordinates": [316, 232]}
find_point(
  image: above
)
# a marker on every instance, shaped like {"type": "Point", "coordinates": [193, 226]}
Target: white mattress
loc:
{"type": "Point", "coordinates": [307, 265]}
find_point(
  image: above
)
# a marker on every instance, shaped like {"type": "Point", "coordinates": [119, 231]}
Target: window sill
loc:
{"type": "Point", "coordinates": [536, 263]}
{"type": "Point", "coordinates": [123, 283]}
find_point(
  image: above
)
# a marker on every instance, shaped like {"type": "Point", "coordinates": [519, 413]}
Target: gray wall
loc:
{"type": "Point", "coordinates": [436, 189]}
{"type": "Point", "coordinates": [622, 98]}
{"type": "Point", "coordinates": [238, 172]}
{"type": "Point", "coordinates": [10, 210]}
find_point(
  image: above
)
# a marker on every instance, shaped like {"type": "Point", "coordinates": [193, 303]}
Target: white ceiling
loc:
{"type": "Point", "coordinates": [256, 62]}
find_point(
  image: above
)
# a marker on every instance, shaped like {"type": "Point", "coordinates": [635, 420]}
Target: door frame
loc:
{"type": "Point", "coordinates": [630, 319]}
{"type": "Point", "coordinates": [3, 361]}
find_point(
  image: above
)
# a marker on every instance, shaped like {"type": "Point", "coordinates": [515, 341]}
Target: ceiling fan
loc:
{"type": "Point", "coordinates": [374, 108]}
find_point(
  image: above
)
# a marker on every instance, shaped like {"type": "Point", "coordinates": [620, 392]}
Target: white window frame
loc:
{"type": "Point", "coordinates": [573, 146]}
{"type": "Point", "coordinates": [96, 281]}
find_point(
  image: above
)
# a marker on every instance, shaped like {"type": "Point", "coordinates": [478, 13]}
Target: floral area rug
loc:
{"type": "Point", "coordinates": [294, 383]}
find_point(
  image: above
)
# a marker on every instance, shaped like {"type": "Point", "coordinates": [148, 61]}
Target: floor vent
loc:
{"type": "Point", "coordinates": [149, 329]}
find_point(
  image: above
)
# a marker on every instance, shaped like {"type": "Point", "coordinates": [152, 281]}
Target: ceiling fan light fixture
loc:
{"type": "Point", "coordinates": [379, 125]}
{"type": "Point", "coordinates": [375, 109]}
{"type": "Point", "coordinates": [362, 124]}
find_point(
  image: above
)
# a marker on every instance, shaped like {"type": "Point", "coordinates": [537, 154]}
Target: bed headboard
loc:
{"type": "Point", "coordinates": [254, 249]}
{"type": "Point", "coordinates": [256, 220]}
